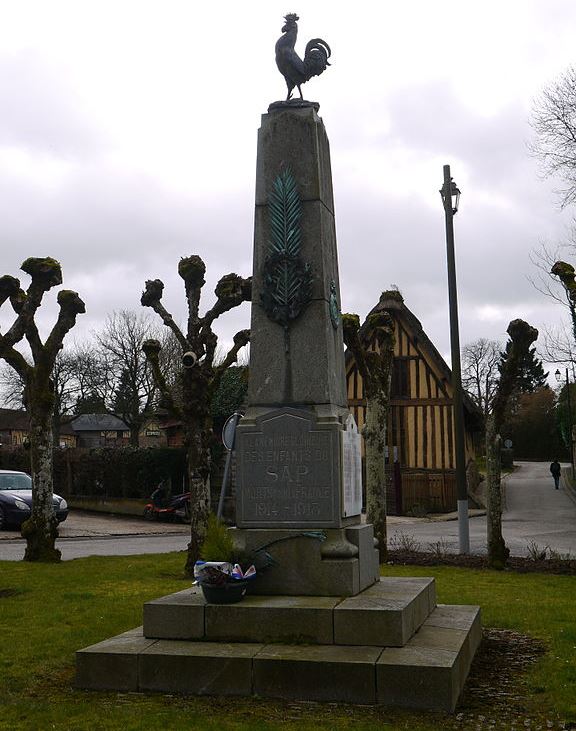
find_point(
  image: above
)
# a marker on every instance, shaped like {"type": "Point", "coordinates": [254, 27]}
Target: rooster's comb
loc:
{"type": "Point", "coordinates": [291, 17]}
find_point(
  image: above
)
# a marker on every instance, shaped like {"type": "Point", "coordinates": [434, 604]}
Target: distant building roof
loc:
{"type": "Point", "coordinates": [17, 420]}
{"type": "Point", "coordinates": [98, 422]}
{"type": "Point", "coordinates": [13, 419]}
{"type": "Point", "coordinates": [392, 301]}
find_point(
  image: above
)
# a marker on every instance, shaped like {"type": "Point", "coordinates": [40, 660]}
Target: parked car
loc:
{"type": "Point", "coordinates": [16, 499]}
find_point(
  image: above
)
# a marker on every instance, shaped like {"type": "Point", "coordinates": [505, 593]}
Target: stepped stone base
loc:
{"type": "Point", "coordinates": [391, 644]}
{"type": "Point", "coordinates": [386, 614]}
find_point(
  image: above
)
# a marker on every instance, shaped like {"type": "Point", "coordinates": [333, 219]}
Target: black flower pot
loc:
{"type": "Point", "coordinates": [228, 593]}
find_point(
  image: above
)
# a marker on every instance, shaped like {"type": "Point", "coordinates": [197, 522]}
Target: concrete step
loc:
{"type": "Point", "coordinates": [386, 614]}
{"type": "Point", "coordinates": [428, 672]}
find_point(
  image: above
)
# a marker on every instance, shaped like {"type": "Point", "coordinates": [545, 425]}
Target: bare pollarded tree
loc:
{"type": "Point", "coordinates": [522, 335]}
{"type": "Point", "coordinates": [375, 368]}
{"type": "Point", "coordinates": [40, 529]}
{"type": "Point", "coordinates": [187, 395]}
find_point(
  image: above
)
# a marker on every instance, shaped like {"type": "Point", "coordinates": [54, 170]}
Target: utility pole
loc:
{"type": "Point", "coordinates": [450, 197]}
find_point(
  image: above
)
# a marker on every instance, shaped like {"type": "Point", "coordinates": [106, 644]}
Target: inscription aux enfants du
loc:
{"type": "Point", "coordinates": [288, 472]}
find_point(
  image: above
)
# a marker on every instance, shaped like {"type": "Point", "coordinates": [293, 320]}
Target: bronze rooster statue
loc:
{"type": "Point", "coordinates": [295, 70]}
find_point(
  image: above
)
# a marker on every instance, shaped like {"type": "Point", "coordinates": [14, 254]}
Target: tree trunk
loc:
{"type": "Point", "coordinates": [497, 551]}
{"type": "Point", "coordinates": [56, 429]}
{"type": "Point", "coordinates": [41, 529]}
{"type": "Point", "coordinates": [198, 458]}
{"type": "Point", "coordinates": [135, 436]}
{"type": "Point", "coordinates": [375, 442]}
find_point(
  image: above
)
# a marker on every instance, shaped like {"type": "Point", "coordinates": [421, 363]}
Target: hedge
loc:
{"type": "Point", "coordinates": [128, 472]}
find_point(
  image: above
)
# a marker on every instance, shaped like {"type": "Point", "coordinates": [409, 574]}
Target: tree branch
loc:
{"type": "Point", "coordinates": [15, 359]}
{"type": "Point", "coordinates": [70, 307]}
{"type": "Point", "coordinates": [241, 339]}
{"type": "Point", "coordinates": [351, 332]}
{"type": "Point", "coordinates": [152, 350]}
{"type": "Point", "coordinates": [46, 273]}
{"type": "Point", "coordinates": [192, 270]}
{"type": "Point", "coordinates": [151, 297]}
{"type": "Point", "coordinates": [231, 291]}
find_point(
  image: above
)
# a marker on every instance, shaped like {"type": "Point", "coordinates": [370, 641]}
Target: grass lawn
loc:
{"type": "Point", "coordinates": [49, 611]}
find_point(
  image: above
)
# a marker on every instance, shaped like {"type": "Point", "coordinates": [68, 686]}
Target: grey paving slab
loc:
{"type": "Point", "coordinates": [418, 677]}
{"type": "Point", "coordinates": [386, 614]}
{"type": "Point", "coordinates": [430, 671]}
{"type": "Point", "coordinates": [197, 668]}
{"type": "Point", "coordinates": [458, 618]}
{"type": "Point", "coordinates": [393, 584]}
{"type": "Point", "coordinates": [319, 673]}
{"type": "Point", "coordinates": [178, 616]}
{"type": "Point", "coordinates": [273, 619]}
{"type": "Point", "coordinates": [442, 638]}
{"type": "Point", "coordinates": [113, 663]}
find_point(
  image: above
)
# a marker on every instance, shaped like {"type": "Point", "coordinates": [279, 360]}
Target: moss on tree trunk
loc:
{"type": "Point", "coordinates": [497, 550]}
{"type": "Point", "coordinates": [41, 528]}
{"type": "Point", "coordinates": [375, 444]}
{"type": "Point", "coordinates": [376, 371]}
{"type": "Point", "coordinates": [188, 398]}
{"type": "Point", "coordinates": [198, 463]}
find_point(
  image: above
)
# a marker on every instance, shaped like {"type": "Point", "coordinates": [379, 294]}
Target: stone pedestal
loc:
{"type": "Point", "coordinates": [297, 448]}
{"type": "Point", "coordinates": [335, 562]}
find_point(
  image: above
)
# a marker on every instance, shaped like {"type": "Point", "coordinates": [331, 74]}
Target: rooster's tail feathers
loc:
{"type": "Point", "coordinates": [316, 57]}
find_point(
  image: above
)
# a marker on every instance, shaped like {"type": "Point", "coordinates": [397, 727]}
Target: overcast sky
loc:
{"type": "Point", "coordinates": [128, 140]}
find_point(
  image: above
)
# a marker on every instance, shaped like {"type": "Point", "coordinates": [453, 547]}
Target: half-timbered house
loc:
{"type": "Point", "coordinates": [420, 435]}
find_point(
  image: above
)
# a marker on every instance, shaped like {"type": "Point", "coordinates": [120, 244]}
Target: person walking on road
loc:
{"type": "Point", "coordinates": [555, 470]}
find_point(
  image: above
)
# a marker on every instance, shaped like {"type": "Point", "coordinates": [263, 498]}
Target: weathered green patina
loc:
{"type": "Point", "coordinates": [287, 280]}
{"type": "Point", "coordinates": [334, 305]}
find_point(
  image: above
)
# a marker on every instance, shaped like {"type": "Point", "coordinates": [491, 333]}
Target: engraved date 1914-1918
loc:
{"type": "Point", "coordinates": [287, 512]}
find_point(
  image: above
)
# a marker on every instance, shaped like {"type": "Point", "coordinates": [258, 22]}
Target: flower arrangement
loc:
{"type": "Point", "coordinates": [222, 580]}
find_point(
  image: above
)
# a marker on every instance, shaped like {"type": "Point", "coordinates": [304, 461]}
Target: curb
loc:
{"type": "Point", "coordinates": [567, 484]}
{"type": "Point", "coordinates": [98, 536]}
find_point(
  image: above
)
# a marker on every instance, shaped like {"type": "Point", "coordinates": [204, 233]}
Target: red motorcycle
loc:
{"type": "Point", "coordinates": [169, 509]}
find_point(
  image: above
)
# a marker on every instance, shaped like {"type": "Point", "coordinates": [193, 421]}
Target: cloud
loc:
{"type": "Point", "coordinates": [128, 140]}
{"type": "Point", "coordinates": [40, 110]}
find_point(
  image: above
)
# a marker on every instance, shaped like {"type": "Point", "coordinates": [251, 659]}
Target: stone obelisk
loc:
{"type": "Point", "coordinates": [298, 450]}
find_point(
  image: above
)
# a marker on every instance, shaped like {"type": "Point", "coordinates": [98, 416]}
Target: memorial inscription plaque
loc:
{"type": "Point", "coordinates": [351, 469]}
{"type": "Point", "coordinates": [288, 474]}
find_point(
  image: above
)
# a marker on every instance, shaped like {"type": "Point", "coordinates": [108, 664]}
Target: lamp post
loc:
{"type": "Point", "coordinates": [570, 445]}
{"type": "Point", "coordinates": [450, 199]}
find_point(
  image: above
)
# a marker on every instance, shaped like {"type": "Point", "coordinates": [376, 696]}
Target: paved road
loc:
{"type": "Point", "coordinates": [535, 512]}
{"type": "Point", "coordinates": [99, 534]}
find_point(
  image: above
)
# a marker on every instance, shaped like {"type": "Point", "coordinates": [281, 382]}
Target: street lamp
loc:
{"type": "Point", "coordinates": [450, 199]}
{"type": "Point", "coordinates": [571, 446]}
